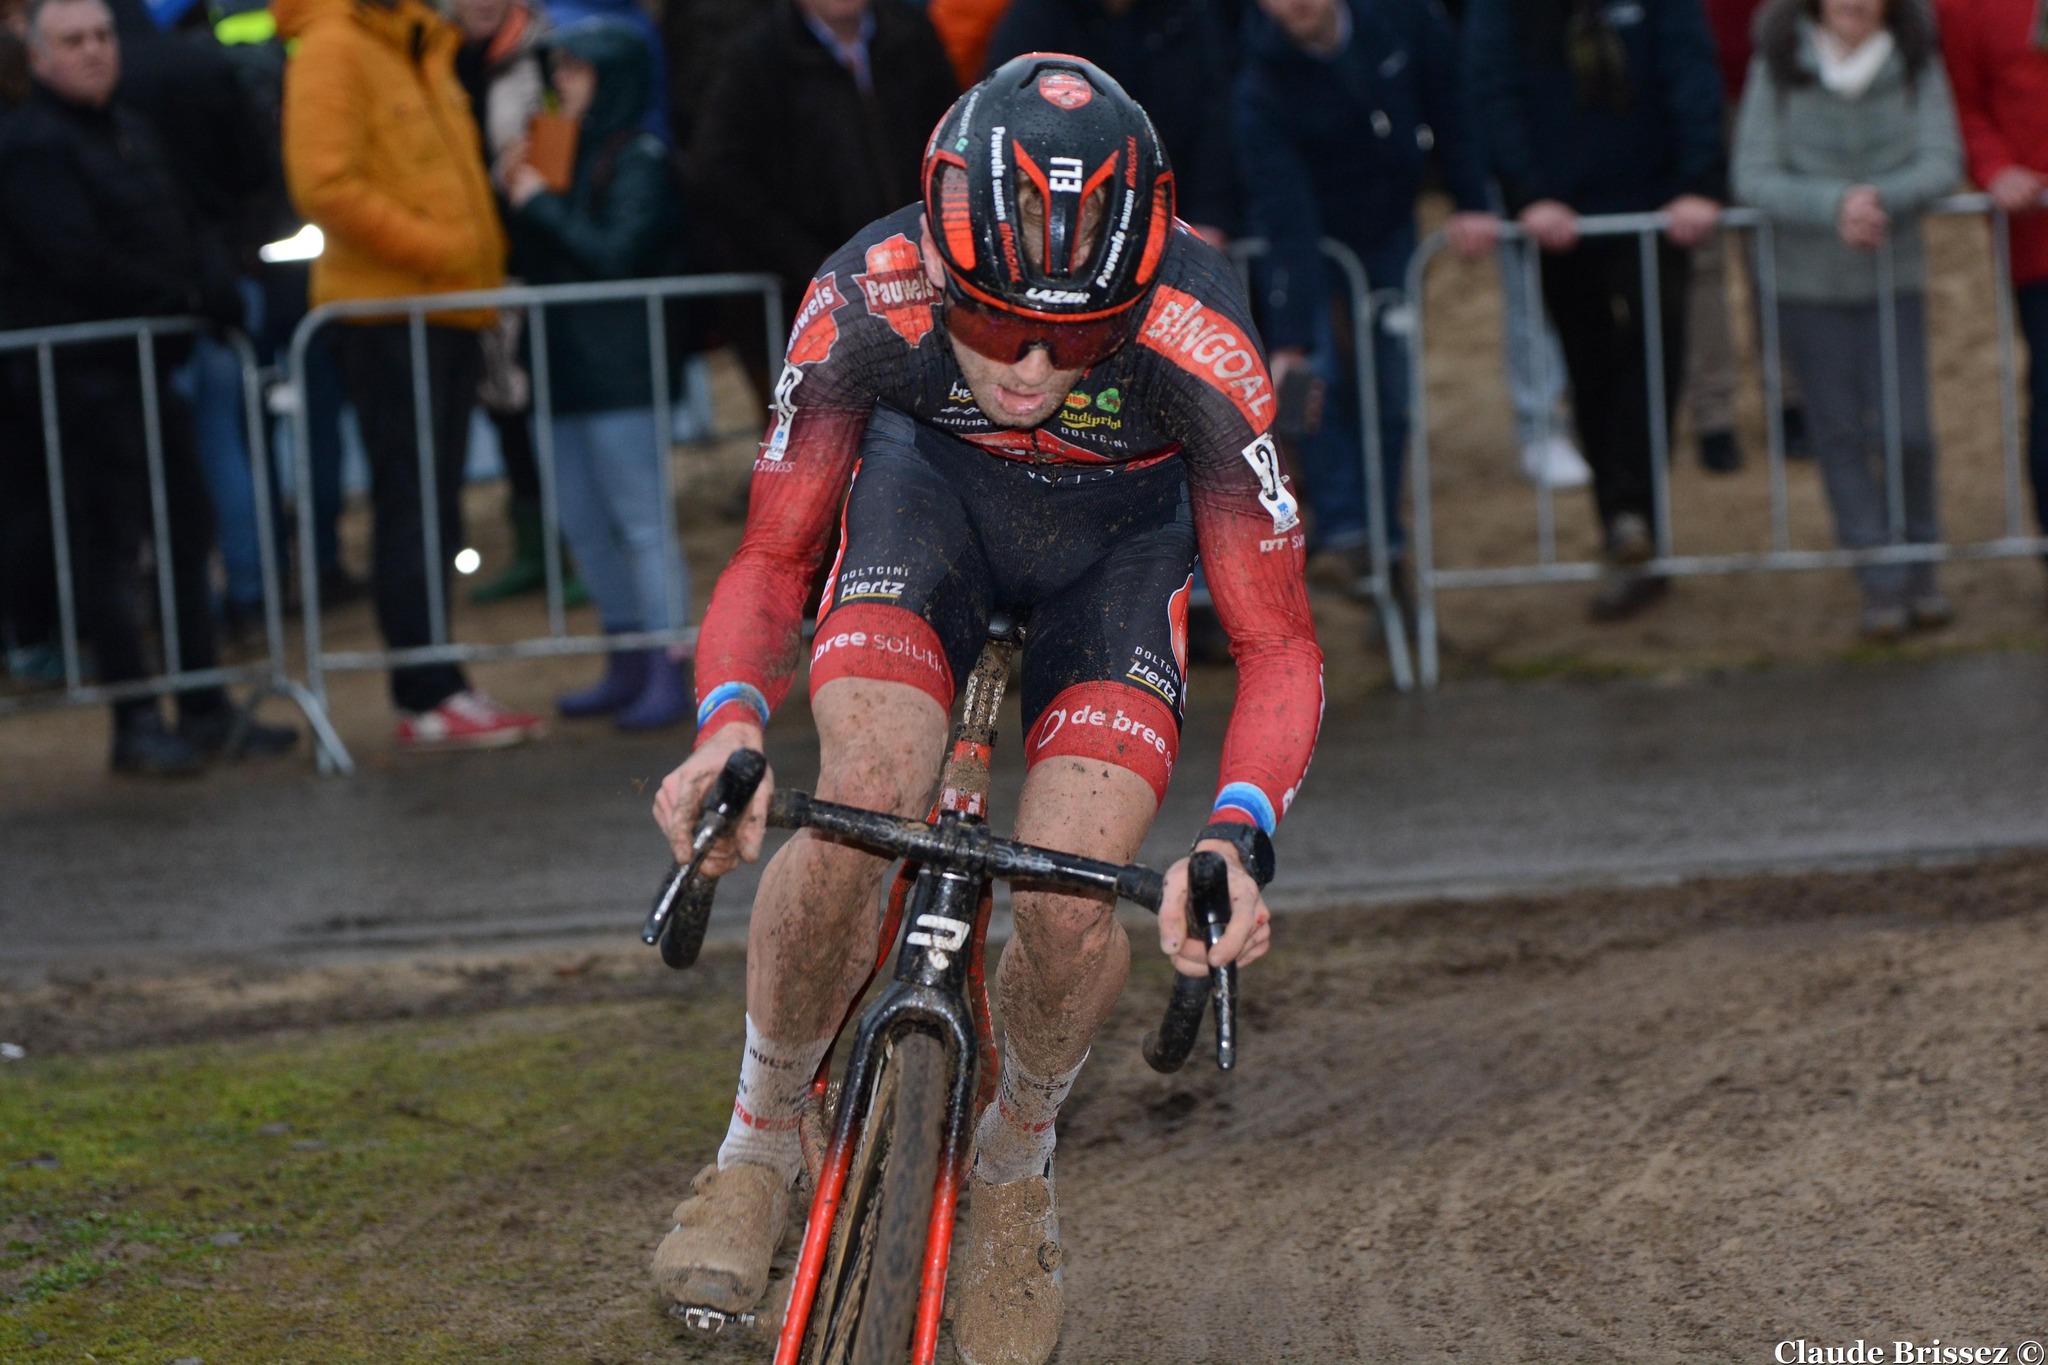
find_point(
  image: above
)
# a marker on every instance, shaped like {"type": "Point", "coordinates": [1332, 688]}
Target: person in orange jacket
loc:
{"type": "Point", "coordinates": [382, 154]}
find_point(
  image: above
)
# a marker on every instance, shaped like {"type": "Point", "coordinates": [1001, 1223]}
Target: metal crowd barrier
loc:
{"type": "Point", "coordinates": [1646, 227]}
{"type": "Point", "coordinates": [268, 674]}
{"type": "Point", "coordinates": [331, 755]}
{"type": "Point", "coordinates": [1365, 310]}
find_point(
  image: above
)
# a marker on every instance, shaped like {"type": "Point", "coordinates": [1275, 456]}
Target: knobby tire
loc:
{"type": "Point", "coordinates": [875, 1268]}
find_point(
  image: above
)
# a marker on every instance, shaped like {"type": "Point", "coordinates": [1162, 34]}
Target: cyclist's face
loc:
{"type": "Point", "coordinates": [1019, 394]}
{"type": "Point", "coordinates": [1015, 395]}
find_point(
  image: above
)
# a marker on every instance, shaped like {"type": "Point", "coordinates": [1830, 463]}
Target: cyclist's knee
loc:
{"type": "Point", "coordinates": [879, 744]}
{"type": "Point", "coordinates": [1065, 930]}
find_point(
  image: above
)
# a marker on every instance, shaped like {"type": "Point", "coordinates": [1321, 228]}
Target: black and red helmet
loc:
{"type": "Point", "coordinates": [1057, 132]}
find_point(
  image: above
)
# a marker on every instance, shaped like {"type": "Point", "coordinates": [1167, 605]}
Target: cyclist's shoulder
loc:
{"type": "Point", "coordinates": [874, 291]}
{"type": "Point", "coordinates": [1198, 328]}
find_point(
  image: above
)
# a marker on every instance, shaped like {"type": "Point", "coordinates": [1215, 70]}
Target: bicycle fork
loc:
{"type": "Point", "coordinates": [938, 920]}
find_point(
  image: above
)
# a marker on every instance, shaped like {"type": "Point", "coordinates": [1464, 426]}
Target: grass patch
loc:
{"type": "Point", "coordinates": [476, 1189]}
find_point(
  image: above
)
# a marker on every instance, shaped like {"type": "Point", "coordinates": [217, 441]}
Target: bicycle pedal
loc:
{"type": "Point", "coordinates": [710, 1322]}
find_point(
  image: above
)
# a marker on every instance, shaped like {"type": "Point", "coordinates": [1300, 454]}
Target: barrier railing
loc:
{"type": "Point", "coordinates": [415, 310]}
{"type": "Point", "coordinates": [1646, 228]}
{"type": "Point", "coordinates": [1366, 308]}
{"type": "Point", "coordinates": [268, 674]}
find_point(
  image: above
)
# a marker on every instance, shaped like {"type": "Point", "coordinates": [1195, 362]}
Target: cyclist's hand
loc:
{"type": "Point", "coordinates": [1250, 932]}
{"type": "Point", "coordinates": [681, 800]}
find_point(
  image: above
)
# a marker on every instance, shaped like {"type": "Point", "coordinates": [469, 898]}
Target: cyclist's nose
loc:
{"type": "Point", "coordinates": [1036, 367]}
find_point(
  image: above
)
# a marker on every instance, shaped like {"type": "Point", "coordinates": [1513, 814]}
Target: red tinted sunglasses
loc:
{"type": "Point", "coordinates": [1008, 338]}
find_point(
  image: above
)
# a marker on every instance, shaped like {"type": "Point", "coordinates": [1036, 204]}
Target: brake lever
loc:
{"type": "Point", "coordinates": [680, 936]}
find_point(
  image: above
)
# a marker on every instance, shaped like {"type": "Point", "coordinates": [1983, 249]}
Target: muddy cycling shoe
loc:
{"type": "Point", "coordinates": [1007, 1305]}
{"type": "Point", "coordinates": [726, 1232]}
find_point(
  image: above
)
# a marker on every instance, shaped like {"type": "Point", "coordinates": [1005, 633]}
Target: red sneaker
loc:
{"type": "Point", "coordinates": [467, 720]}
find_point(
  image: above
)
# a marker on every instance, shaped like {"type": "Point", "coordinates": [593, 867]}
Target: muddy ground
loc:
{"type": "Point", "coordinates": [1682, 1123]}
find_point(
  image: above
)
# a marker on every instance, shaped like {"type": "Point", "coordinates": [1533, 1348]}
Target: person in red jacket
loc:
{"type": "Point", "coordinates": [1997, 53]}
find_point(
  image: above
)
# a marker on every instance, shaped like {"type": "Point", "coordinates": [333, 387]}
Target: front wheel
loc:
{"type": "Point", "coordinates": [866, 1308]}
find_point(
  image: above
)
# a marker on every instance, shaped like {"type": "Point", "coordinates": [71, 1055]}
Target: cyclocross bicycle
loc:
{"type": "Point", "coordinates": [870, 1281]}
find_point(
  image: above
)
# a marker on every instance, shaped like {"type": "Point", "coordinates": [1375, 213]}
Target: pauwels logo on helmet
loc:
{"type": "Point", "coordinates": [1048, 146]}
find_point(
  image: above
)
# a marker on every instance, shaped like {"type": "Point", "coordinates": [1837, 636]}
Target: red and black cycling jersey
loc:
{"type": "Point", "coordinates": [1190, 385]}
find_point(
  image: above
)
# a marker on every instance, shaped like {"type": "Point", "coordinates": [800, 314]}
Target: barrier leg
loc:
{"type": "Point", "coordinates": [1422, 535]}
{"type": "Point", "coordinates": [1888, 370]}
{"type": "Point", "coordinates": [544, 457]}
{"type": "Point", "coordinates": [1765, 280]}
{"type": "Point", "coordinates": [1365, 324]}
{"type": "Point", "coordinates": [159, 503]}
{"type": "Point", "coordinates": [1538, 346]}
{"type": "Point", "coordinates": [330, 755]}
{"type": "Point", "coordinates": [672, 548]}
{"type": "Point", "coordinates": [430, 492]}
{"type": "Point", "coordinates": [60, 519]}
{"type": "Point", "coordinates": [1653, 379]}
{"type": "Point", "coordinates": [2008, 370]}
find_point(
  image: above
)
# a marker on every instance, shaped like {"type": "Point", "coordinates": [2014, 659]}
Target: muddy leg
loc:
{"type": "Point", "coordinates": [1066, 965]}
{"type": "Point", "coordinates": [812, 938]}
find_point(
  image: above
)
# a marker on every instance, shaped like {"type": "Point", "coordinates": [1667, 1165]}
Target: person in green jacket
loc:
{"type": "Point", "coordinates": [619, 219]}
{"type": "Point", "coordinates": [1847, 133]}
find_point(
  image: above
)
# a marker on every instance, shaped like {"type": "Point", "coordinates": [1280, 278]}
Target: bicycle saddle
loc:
{"type": "Point", "coordinates": [1005, 628]}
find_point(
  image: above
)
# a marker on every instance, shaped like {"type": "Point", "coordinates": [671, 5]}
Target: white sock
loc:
{"type": "Point", "coordinates": [774, 1078]}
{"type": "Point", "coordinates": [1015, 1137]}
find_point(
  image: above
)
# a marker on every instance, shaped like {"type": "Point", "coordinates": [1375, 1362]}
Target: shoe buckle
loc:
{"type": "Point", "coordinates": [710, 1321]}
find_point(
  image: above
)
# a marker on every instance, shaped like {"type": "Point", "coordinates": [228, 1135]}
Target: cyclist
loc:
{"type": "Point", "coordinates": [1035, 391]}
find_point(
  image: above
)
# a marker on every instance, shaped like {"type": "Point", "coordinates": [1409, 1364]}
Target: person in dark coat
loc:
{"type": "Point", "coordinates": [97, 228]}
{"type": "Point", "coordinates": [1341, 107]}
{"type": "Point", "coordinates": [213, 135]}
{"type": "Point", "coordinates": [1600, 107]}
{"type": "Point", "coordinates": [815, 128]}
{"type": "Point", "coordinates": [620, 219]}
{"type": "Point", "coordinates": [1174, 58]}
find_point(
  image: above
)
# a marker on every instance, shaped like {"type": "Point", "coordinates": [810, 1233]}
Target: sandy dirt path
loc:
{"type": "Point", "coordinates": [1684, 1123]}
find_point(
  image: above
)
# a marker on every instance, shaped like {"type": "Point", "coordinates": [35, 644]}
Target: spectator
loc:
{"type": "Point", "coordinates": [1535, 372]}
{"type": "Point", "coordinates": [633, 14]}
{"type": "Point", "coordinates": [97, 228]}
{"type": "Point", "coordinates": [695, 36]}
{"type": "Point", "coordinates": [620, 219]}
{"type": "Point", "coordinates": [247, 32]}
{"type": "Point", "coordinates": [1339, 106]}
{"type": "Point", "coordinates": [814, 128]}
{"type": "Point", "coordinates": [381, 153]}
{"type": "Point", "coordinates": [1175, 59]}
{"type": "Point", "coordinates": [213, 136]}
{"type": "Point", "coordinates": [1591, 108]}
{"type": "Point", "coordinates": [965, 27]}
{"type": "Point", "coordinates": [1710, 345]}
{"type": "Point", "coordinates": [1847, 133]}
{"type": "Point", "coordinates": [14, 77]}
{"type": "Point", "coordinates": [500, 67]}
{"type": "Point", "coordinates": [1997, 52]}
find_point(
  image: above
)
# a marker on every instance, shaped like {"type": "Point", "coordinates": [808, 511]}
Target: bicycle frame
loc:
{"type": "Point", "coordinates": [941, 919]}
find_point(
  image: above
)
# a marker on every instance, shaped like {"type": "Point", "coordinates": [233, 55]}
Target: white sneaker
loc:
{"type": "Point", "coordinates": [1555, 461]}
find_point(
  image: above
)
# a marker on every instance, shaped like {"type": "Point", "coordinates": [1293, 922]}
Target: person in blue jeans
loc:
{"type": "Point", "coordinates": [1341, 104]}
{"type": "Point", "coordinates": [619, 219]}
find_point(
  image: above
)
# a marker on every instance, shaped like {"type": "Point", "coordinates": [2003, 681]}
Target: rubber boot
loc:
{"type": "Point", "coordinates": [528, 571]}
{"type": "Point", "coordinates": [667, 698]}
{"type": "Point", "coordinates": [624, 680]}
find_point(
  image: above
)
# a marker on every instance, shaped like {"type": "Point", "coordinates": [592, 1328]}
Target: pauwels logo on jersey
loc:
{"type": "Point", "coordinates": [811, 339]}
{"type": "Point", "coordinates": [1212, 348]}
{"type": "Point", "coordinates": [1264, 458]}
{"type": "Point", "coordinates": [897, 289]}
{"type": "Point", "coordinates": [815, 331]}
